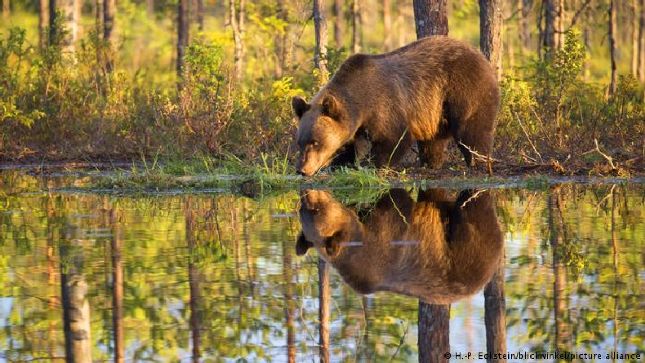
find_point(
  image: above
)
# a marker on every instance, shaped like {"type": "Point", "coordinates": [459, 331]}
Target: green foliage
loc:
{"type": "Point", "coordinates": [548, 110]}
{"type": "Point", "coordinates": [557, 74]}
{"type": "Point", "coordinates": [13, 107]}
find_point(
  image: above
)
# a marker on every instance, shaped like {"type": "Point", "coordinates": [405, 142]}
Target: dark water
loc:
{"type": "Point", "coordinates": [216, 277]}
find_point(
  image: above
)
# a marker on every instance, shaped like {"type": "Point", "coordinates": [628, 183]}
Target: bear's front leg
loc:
{"type": "Point", "coordinates": [388, 153]}
{"type": "Point", "coordinates": [345, 157]}
{"type": "Point", "coordinates": [432, 153]}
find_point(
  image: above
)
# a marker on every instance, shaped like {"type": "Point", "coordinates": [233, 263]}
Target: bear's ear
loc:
{"type": "Point", "coordinates": [331, 107]}
{"type": "Point", "coordinates": [300, 106]}
{"type": "Point", "coordinates": [302, 245]}
{"type": "Point", "coordinates": [332, 244]}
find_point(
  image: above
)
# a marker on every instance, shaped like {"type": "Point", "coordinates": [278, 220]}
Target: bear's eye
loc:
{"type": "Point", "coordinates": [315, 143]}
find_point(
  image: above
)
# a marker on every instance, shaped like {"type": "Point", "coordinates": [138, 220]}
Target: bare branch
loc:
{"type": "Point", "coordinates": [577, 14]}
{"type": "Point", "coordinates": [609, 158]}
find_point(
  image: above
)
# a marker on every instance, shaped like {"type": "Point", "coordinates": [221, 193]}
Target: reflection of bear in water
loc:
{"type": "Point", "coordinates": [438, 249]}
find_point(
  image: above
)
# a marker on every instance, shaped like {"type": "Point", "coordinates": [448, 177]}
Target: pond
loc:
{"type": "Point", "coordinates": [320, 275]}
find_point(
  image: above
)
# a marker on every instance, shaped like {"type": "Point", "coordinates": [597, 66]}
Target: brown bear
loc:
{"type": "Point", "coordinates": [428, 91]}
{"type": "Point", "coordinates": [439, 248]}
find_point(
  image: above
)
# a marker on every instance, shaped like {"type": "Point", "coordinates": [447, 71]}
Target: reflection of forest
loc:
{"type": "Point", "coordinates": [215, 276]}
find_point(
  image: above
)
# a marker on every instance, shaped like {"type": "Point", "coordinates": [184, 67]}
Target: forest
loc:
{"type": "Point", "coordinates": [212, 80]}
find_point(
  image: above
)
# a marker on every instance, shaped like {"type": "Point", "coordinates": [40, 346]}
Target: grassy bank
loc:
{"type": "Point", "coordinates": [236, 176]}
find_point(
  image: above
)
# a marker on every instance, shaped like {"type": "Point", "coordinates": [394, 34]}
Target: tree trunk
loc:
{"type": "Point", "coordinates": [495, 314]}
{"type": "Point", "coordinates": [6, 8]}
{"type": "Point", "coordinates": [612, 46]}
{"type": "Point", "coordinates": [387, 25]}
{"type": "Point", "coordinates": [237, 27]}
{"type": "Point", "coordinates": [634, 35]}
{"type": "Point", "coordinates": [400, 20]}
{"type": "Point", "coordinates": [320, 29]}
{"type": "Point", "coordinates": [109, 16]}
{"type": "Point", "coordinates": [490, 34]}
{"type": "Point", "coordinates": [524, 10]}
{"type": "Point", "coordinates": [430, 17]}
{"type": "Point", "coordinates": [281, 40]}
{"type": "Point", "coordinates": [43, 23]}
{"type": "Point", "coordinates": [53, 34]}
{"type": "Point", "coordinates": [99, 15]}
{"type": "Point", "coordinates": [117, 288]}
{"type": "Point", "coordinates": [183, 26]}
{"type": "Point", "coordinates": [200, 15]}
{"type": "Point", "coordinates": [559, 26]}
{"type": "Point", "coordinates": [338, 21]}
{"type": "Point", "coordinates": [150, 8]}
{"type": "Point", "coordinates": [641, 44]}
{"type": "Point", "coordinates": [551, 22]}
{"type": "Point", "coordinates": [324, 297]}
{"type": "Point", "coordinates": [68, 21]}
{"type": "Point", "coordinates": [357, 26]}
{"type": "Point", "coordinates": [434, 332]}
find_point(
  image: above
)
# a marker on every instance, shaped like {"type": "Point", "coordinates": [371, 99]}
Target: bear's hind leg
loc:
{"type": "Point", "coordinates": [431, 153]}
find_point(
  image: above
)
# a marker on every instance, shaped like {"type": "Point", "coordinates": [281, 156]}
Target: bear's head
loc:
{"type": "Point", "coordinates": [323, 129]}
{"type": "Point", "coordinates": [326, 224]}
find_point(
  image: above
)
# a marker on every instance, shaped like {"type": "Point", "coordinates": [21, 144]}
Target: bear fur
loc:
{"type": "Point", "coordinates": [429, 91]}
{"type": "Point", "coordinates": [439, 248]}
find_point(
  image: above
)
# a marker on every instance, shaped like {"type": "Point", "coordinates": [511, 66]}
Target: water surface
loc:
{"type": "Point", "coordinates": [401, 275]}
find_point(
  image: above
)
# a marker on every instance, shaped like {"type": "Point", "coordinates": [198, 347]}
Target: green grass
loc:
{"type": "Point", "coordinates": [276, 174]}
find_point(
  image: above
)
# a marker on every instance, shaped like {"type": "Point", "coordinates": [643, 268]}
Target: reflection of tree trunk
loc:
{"type": "Point", "coordinates": [434, 332]}
{"type": "Point", "coordinates": [364, 355]}
{"type": "Point", "coordinates": [194, 278]}
{"type": "Point", "coordinates": [559, 272]}
{"type": "Point", "coordinates": [117, 287]}
{"type": "Point", "coordinates": [52, 302]}
{"type": "Point", "coordinates": [289, 304]}
{"type": "Point", "coordinates": [495, 314]}
{"type": "Point", "coordinates": [250, 274]}
{"type": "Point", "coordinates": [76, 306]}
{"type": "Point", "coordinates": [614, 246]}
{"type": "Point", "coordinates": [238, 273]}
{"type": "Point", "coordinates": [324, 297]}
{"type": "Point", "coordinates": [430, 17]}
